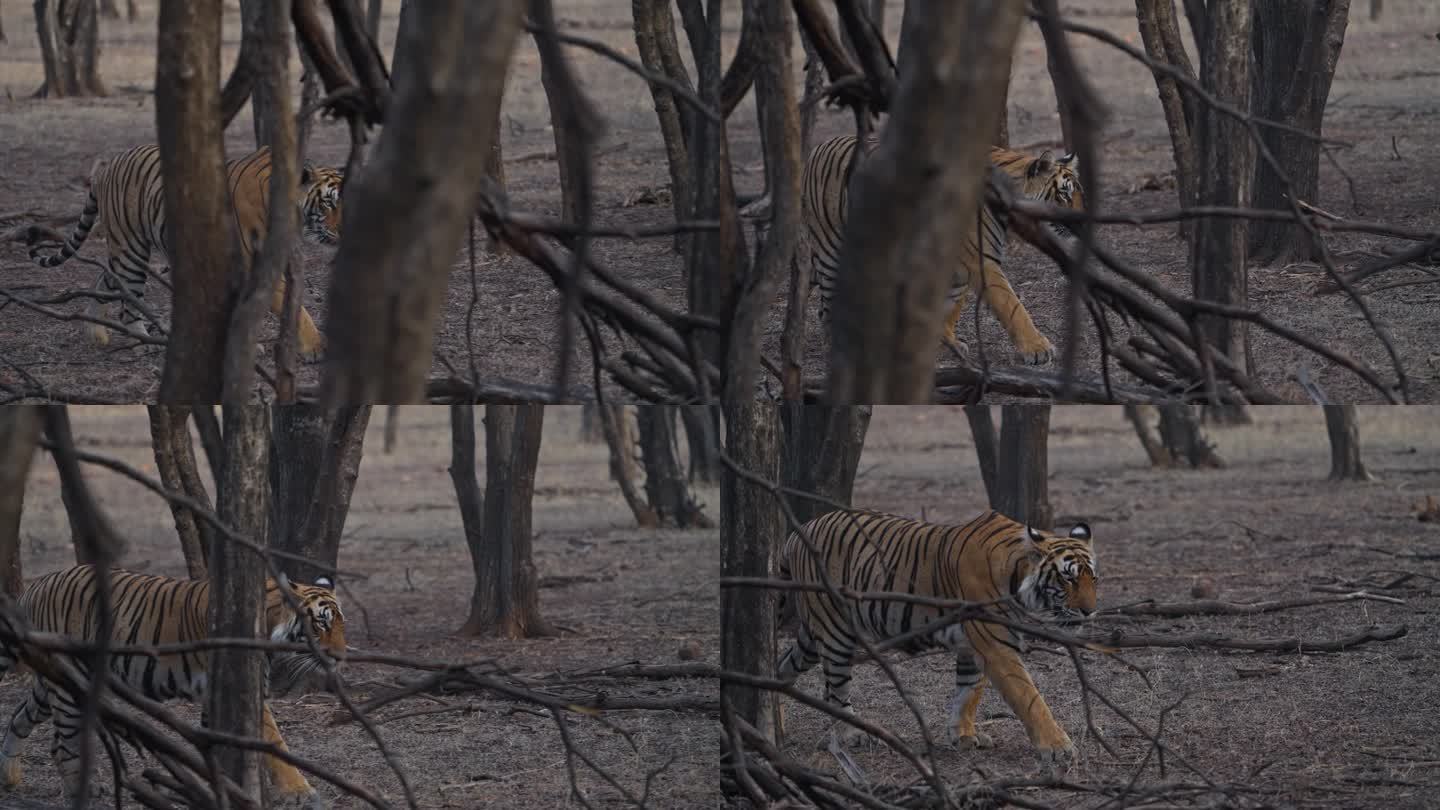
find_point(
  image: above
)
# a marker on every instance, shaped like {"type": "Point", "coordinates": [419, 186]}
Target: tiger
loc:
{"type": "Point", "coordinates": [162, 610]}
{"type": "Point", "coordinates": [993, 561]}
{"type": "Point", "coordinates": [128, 196]}
{"type": "Point", "coordinates": [824, 198]}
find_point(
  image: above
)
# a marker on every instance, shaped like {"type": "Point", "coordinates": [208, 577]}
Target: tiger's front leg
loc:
{"type": "Point", "coordinates": [1003, 667]}
{"type": "Point", "coordinates": [291, 784]}
{"type": "Point", "coordinates": [1031, 347]}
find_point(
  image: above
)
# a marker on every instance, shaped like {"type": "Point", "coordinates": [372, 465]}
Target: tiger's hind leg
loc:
{"type": "Point", "coordinates": [126, 276]}
{"type": "Point", "coordinates": [957, 346]}
{"type": "Point", "coordinates": [1031, 347]}
{"type": "Point", "coordinates": [835, 657]}
{"type": "Point", "coordinates": [291, 784]}
{"type": "Point", "coordinates": [969, 683]}
{"type": "Point", "coordinates": [32, 711]}
{"type": "Point", "coordinates": [799, 659]}
{"type": "Point", "coordinates": [312, 343]}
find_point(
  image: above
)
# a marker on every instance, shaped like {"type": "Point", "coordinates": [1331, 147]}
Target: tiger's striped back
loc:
{"type": "Point", "coordinates": [157, 610]}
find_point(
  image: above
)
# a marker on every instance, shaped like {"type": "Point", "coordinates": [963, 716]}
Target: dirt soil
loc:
{"type": "Point", "coordinates": [619, 595]}
{"type": "Point", "coordinates": [1383, 105]}
{"type": "Point", "coordinates": [1354, 729]}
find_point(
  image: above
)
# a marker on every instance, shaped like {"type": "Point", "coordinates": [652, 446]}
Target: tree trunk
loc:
{"type": "Point", "coordinates": [572, 120]}
{"type": "Point", "coordinates": [19, 433]}
{"type": "Point", "coordinates": [467, 484]}
{"type": "Point", "coordinates": [1181, 434]}
{"type": "Point", "coordinates": [1160, 32]}
{"type": "Point", "coordinates": [372, 18]}
{"type": "Point", "coordinates": [702, 433]}
{"type": "Point", "coordinates": [187, 112]}
{"type": "Point", "coordinates": [1022, 477]}
{"type": "Point", "coordinates": [1377, 7]}
{"type": "Point", "coordinates": [237, 594]}
{"type": "Point", "coordinates": [110, 10]}
{"type": "Point", "coordinates": [264, 109]}
{"type": "Point", "coordinates": [669, 495]}
{"type": "Point", "coordinates": [408, 211]}
{"type": "Point", "coordinates": [1345, 462]}
{"type": "Point", "coordinates": [1296, 46]}
{"type": "Point", "coordinates": [982, 430]}
{"type": "Point", "coordinates": [175, 461]}
{"type": "Point", "coordinates": [927, 174]}
{"type": "Point", "coordinates": [751, 529]}
{"type": "Point", "coordinates": [811, 98]}
{"type": "Point", "coordinates": [211, 441]}
{"type": "Point", "coordinates": [69, 32]}
{"type": "Point", "coordinates": [591, 429]}
{"type": "Point", "coordinates": [821, 453]}
{"type": "Point", "coordinates": [1142, 418]}
{"type": "Point", "coordinates": [624, 469]}
{"type": "Point", "coordinates": [506, 600]}
{"type": "Point", "coordinates": [315, 459]}
{"type": "Point", "coordinates": [79, 508]}
{"type": "Point", "coordinates": [1217, 249]}
{"type": "Point", "coordinates": [660, 54]}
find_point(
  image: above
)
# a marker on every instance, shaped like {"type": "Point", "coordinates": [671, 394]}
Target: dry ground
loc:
{"type": "Point", "coordinates": [1356, 729]}
{"type": "Point", "coordinates": [620, 594]}
{"type": "Point", "coordinates": [1383, 104]}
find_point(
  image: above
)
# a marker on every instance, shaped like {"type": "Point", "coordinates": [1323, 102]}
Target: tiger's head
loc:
{"type": "Point", "coordinates": [320, 203]}
{"type": "Point", "coordinates": [319, 614]}
{"type": "Point", "coordinates": [1058, 577]}
{"type": "Point", "coordinates": [1053, 180]}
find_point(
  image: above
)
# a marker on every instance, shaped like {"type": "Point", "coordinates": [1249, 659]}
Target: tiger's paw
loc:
{"type": "Point", "coordinates": [305, 801]}
{"type": "Point", "coordinates": [970, 742]}
{"type": "Point", "coordinates": [1036, 353]}
{"type": "Point", "coordinates": [1056, 762]}
{"type": "Point", "coordinates": [959, 348]}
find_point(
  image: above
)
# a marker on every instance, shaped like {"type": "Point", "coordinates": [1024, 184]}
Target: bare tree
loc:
{"type": "Point", "coordinates": [237, 593]}
{"type": "Point", "coordinates": [1160, 32]}
{"type": "Point", "coordinates": [927, 174]}
{"type": "Point", "coordinates": [506, 599]}
{"type": "Point", "coordinates": [822, 447]}
{"type": "Point", "coordinates": [176, 463]}
{"type": "Point", "coordinates": [1296, 45]}
{"type": "Point", "coordinates": [315, 456]}
{"type": "Point", "coordinates": [669, 494]}
{"type": "Point", "coordinates": [659, 49]}
{"type": "Point", "coordinates": [200, 242]}
{"type": "Point", "coordinates": [982, 430]}
{"type": "Point", "coordinates": [1175, 438]}
{"type": "Point", "coordinates": [1377, 7]}
{"type": "Point", "coordinates": [624, 465]}
{"type": "Point", "coordinates": [1225, 163]}
{"type": "Point", "coordinates": [702, 433]}
{"type": "Point", "coordinates": [19, 432]}
{"type": "Point", "coordinates": [1022, 475]}
{"type": "Point", "coordinates": [750, 532]}
{"type": "Point", "coordinates": [407, 212]}
{"type": "Point", "coordinates": [69, 33]}
{"type": "Point", "coordinates": [1345, 462]}
{"type": "Point", "coordinates": [73, 492]}
{"type": "Point", "coordinates": [591, 429]}
{"type": "Point", "coordinates": [372, 18]}
{"type": "Point", "coordinates": [110, 9]}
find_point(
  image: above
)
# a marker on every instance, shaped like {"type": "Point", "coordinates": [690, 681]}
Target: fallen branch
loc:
{"type": "Point", "coordinates": [1218, 641]}
{"type": "Point", "coordinates": [1215, 607]}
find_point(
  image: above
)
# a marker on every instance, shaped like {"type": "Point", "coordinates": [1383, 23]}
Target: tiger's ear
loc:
{"type": "Point", "coordinates": [1042, 165]}
{"type": "Point", "coordinates": [282, 580]}
{"type": "Point", "coordinates": [1081, 532]}
{"type": "Point", "coordinates": [1070, 160]}
{"type": "Point", "coordinates": [325, 582]}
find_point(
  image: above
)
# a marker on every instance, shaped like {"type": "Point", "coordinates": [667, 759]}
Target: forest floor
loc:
{"type": "Point", "coordinates": [1383, 106]}
{"type": "Point", "coordinates": [1291, 729]}
{"type": "Point", "coordinates": [617, 593]}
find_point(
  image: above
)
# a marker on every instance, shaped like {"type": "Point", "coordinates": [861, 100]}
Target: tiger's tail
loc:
{"type": "Point", "coordinates": [76, 238]}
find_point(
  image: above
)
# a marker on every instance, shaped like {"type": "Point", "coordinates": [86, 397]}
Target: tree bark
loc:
{"type": "Point", "coordinates": [176, 463]}
{"type": "Point", "coordinates": [372, 18]}
{"type": "Point", "coordinates": [1141, 417]}
{"type": "Point", "coordinates": [506, 600]}
{"type": "Point", "coordinates": [1296, 45]}
{"type": "Point", "coordinates": [1160, 33]}
{"type": "Point", "coordinates": [19, 433]}
{"type": "Point", "coordinates": [1182, 436]}
{"type": "Point", "coordinates": [702, 433]}
{"type": "Point", "coordinates": [265, 106]}
{"type": "Point", "coordinates": [591, 430]}
{"type": "Point", "coordinates": [660, 54]}
{"type": "Point", "coordinates": [467, 484]}
{"type": "Point", "coordinates": [212, 442]}
{"type": "Point", "coordinates": [201, 241]}
{"type": "Point", "coordinates": [982, 430]}
{"type": "Point", "coordinates": [315, 459]}
{"type": "Point", "coordinates": [751, 529]}
{"type": "Point", "coordinates": [669, 495]}
{"type": "Point", "coordinates": [927, 174]}
{"type": "Point", "coordinates": [69, 32]}
{"type": "Point", "coordinates": [407, 213]}
{"type": "Point", "coordinates": [1345, 462]}
{"type": "Point", "coordinates": [237, 594]}
{"type": "Point", "coordinates": [821, 453]}
{"type": "Point", "coordinates": [1022, 477]}
{"type": "Point", "coordinates": [624, 470]}
{"type": "Point", "coordinates": [1226, 156]}
{"type": "Point", "coordinates": [80, 509]}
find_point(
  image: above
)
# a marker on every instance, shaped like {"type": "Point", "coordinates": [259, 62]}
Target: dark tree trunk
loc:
{"type": "Point", "coordinates": [666, 488]}
{"type": "Point", "coordinates": [908, 195]}
{"type": "Point", "coordinates": [810, 99]}
{"type": "Point", "coordinates": [1022, 479]}
{"type": "Point", "coordinates": [1345, 462]}
{"type": "Point", "coordinates": [660, 53]}
{"type": "Point", "coordinates": [1181, 434]}
{"type": "Point", "coordinates": [822, 446]}
{"type": "Point", "coordinates": [79, 508]}
{"type": "Point", "coordinates": [592, 431]}
{"type": "Point", "coordinates": [1160, 32]}
{"type": "Point", "coordinates": [110, 9]}
{"type": "Point", "coordinates": [373, 11]}
{"type": "Point", "coordinates": [176, 463]}
{"type": "Point", "coordinates": [702, 433]}
{"type": "Point", "coordinates": [407, 213]}
{"type": "Point", "coordinates": [1226, 155]}
{"type": "Point", "coordinates": [187, 113]}
{"type": "Point", "coordinates": [982, 430]}
{"type": "Point", "coordinates": [751, 529]}
{"type": "Point", "coordinates": [19, 432]}
{"type": "Point", "coordinates": [1296, 46]}
{"type": "Point", "coordinates": [624, 467]}
{"type": "Point", "coordinates": [506, 600]}
{"type": "Point", "coordinates": [467, 484]}
{"type": "Point", "coordinates": [314, 463]}
{"type": "Point", "coordinates": [1143, 418]}
{"type": "Point", "coordinates": [1377, 7]}
{"type": "Point", "coordinates": [237, 593]}
{"type": "Point", "coordinates": [69, 32]}
{"type": "Point", "coordinates": [264, 108]}
{"type": "Point", "coordinates": [211, 441]}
